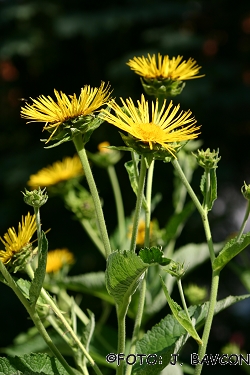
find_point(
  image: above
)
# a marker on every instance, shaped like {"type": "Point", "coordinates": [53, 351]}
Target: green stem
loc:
{"type": "Point", "coordinates": [38, 227]}
{"type": "Point", "coordinates": [199, 207]}
{"type": "Point", "coordinates": [35, 318]}
{"type": "Point", "coordinates": [207, 172]}
{"type": "Point", "coordinates": [119, 202]}
{"type": "Point", "coordinates": [93, 236]}
{"type": "Point", "coordinates": [121, 316]}
{"type": "Point", "coordinates": [78, 142]}
{"type": "Point", "coordinates": [244, 222]}
{"type": "Point", "coordinates": [148, 199]}
{"type": "Point", "coordinates": [138, 319]}
{"type": "Point", "coordinates": [192, 194]}
{"type": "Point", "coordinates": [182, 297]}
{"type": "Point", "coordinates": [138, 204]}
{"type": "Point", "coordinates": [67, 326]}
{"type": "Point", "coordinates": [208, 323]}
{"type": "Point", "coordinates": [215, 275]}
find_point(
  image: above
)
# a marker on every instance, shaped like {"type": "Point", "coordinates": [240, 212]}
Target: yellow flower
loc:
{"type": "Point", "coordinates": [174, 68]}
{"type": "Point", "coordinates": [14, 241]}
{"type": "Point", "coordinates": [58, 258]}
{"type": "Point", "coordinates": [161, 127]}
{"type": "Point", "coordinates": [55, 113]}
{"type": "Point", "coordinates": [59, 171]}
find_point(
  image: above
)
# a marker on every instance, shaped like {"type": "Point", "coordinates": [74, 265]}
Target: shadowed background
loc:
{"type": "Point", "coordinates": [68, 44]}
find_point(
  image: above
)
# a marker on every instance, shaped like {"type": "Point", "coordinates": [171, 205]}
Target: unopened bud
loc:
{"type": "Point", "coordinates": [35, 198]}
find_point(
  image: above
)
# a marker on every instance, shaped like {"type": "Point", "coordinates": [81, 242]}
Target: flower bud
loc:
{"type": "Point", "coordinates": [35, 198]}
{"type": "Point", "coordinates": [176, 269]}
{"type": "Point", "coordinates": [207, 159]}
{"type": "Point", "coordinates": [245, 190]}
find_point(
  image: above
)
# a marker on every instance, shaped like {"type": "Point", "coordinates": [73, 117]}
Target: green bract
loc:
{"type": "Point", "coordinates": [162, 87]}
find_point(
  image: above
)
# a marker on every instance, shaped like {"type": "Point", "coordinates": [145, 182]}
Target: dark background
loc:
{"type": "Point", "coordinates": [68, 44]}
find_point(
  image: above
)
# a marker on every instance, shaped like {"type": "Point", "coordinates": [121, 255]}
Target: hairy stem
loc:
{"type": "Point", "coordinates": [118, 202]}
{"type": "Point", "coordinates": [138, 204]}
{"type": "Point", "coordinates": [78, 142]}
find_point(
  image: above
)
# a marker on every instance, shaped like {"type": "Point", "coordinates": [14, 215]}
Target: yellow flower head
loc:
{"type": "Point", "coordinates": [58, 258]}
{"type": "Point", "coordinates": [164, 68]}
{"type": "Point", "coordinates": [14, 241]}
{"type": "Point", "coordinates": [160, 127]}
{"type": "Point", "coordinates": [59, 171]}
{"type": "Point", "coordinates": [55, 113]}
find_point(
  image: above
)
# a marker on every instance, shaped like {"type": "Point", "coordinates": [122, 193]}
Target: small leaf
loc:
{"type": "Point", "coordinates": [133, 178]}
{"type": "Point", "coordinates": [32, 364]}
{"type": "Point", "coordinates": [37, 282]}
{"type": "Point", "coordinates": [88, 333]}
{"type": "Point", "coordinates": [181, 316]}
{"type": "Point", "coordinates": [230, 250]}
{"type": "Point", "coordinates": [211, 195]}
{"type": "Point", "coordinates": [153, 255]}
{"type": "Point", "coordinates": [213, 188]}
{"type": "Point", "coordinates": [123, 274]}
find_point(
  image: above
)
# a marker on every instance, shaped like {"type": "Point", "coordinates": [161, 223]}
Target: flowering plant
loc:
{"type": "Point", "coordinates": [142, 262]}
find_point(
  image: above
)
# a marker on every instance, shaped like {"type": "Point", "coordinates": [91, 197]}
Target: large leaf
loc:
{"type": "Point", "coordinates": [37, 282]}
{"type": "Point", "coordinates": [123, 274]}
{"type": "Point", "coordinates": [168, 336]}
{"type": "Point", "coordinates": [230, 250]}
{"type": "Point", "coordinates": [32, 364]}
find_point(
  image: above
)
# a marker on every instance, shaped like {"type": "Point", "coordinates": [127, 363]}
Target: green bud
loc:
{"type": "Point", "coordinates": [162, 87]}
{"type": "Point", "coordinates": [176, 269]}
{"type": "Point", "coordinates": [245, 190]}
{"type": "Point", "coordinates": [35, 198]}
{"type": "Point", "coordinates": [207, 159]}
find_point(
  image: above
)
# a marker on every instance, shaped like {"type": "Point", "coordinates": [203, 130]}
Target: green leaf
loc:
{"type": "Point", "coordinates": [133, 178]}
{"type": "Point", "coordinates": [211, 196]}
{"type": "Point", "coordinates": [87, 334]}
{"type": "Point", "coordinates": [168, 336]}
{"type": "Point", "coordinates": [91, 283]}
{"type": "Point", "coordinates": [181, 316]}
{"type": "Point", "coordinates": [24, 286]}
{"type": "Point", "coordinates": [123, 274]}
{"type": "Point", "coordinates": [32, 364]}
{"type": "Point", "coordinates": [230, 250]}
{"type": "Point", "coordinates": [32, 342]}
{"type": "Point", "coordinates": [37, 282]}
{"type": "Point", "coordinates": [213, 189]}
{"type": "Point", "coordinates": [153, 255]}
{"type": "Point", "coordinates": [172, 227]}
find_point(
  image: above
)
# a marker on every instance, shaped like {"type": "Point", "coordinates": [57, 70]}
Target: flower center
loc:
{"type": "Point", "coordinates": [149, 132]}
